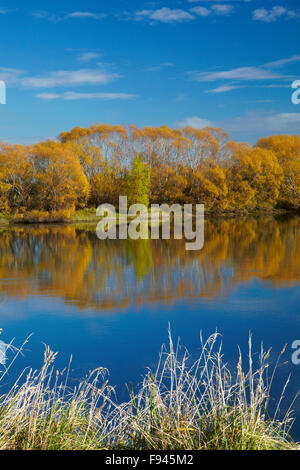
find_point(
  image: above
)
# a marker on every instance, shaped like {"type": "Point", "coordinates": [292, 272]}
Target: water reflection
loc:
{"type": "Point", "coordinates": [70, 263]}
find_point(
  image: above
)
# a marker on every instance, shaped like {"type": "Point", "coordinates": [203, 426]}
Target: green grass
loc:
{"type": "Point", "coordinates": [182, 405]}
{"type": "Point", "coordinates": [85, 214]}
{"type": "Point", "coordinates": [63, 216]}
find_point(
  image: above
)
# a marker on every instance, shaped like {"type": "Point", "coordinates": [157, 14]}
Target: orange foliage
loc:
{"type": "Point", "coordinates": [90, 165]}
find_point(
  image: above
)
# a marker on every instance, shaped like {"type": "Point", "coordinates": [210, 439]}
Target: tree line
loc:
{"type": "Point", "coordinates": [86, 167]}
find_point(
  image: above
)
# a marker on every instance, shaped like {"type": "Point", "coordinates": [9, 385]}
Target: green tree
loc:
{"type": "Point", "coordinates": [137, 183]}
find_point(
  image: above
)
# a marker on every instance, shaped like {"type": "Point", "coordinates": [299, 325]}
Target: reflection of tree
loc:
{"type": "Point", "coordinates": [140, 255]}
{"type": "Point", "coordinates": [71, 263]}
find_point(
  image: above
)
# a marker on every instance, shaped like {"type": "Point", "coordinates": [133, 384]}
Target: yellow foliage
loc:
{"type": "Point", "coordinates": [287, 150]}
{"type": "Point", "coordinates": [254, 176]}
{"type": "Point", "coordinates": [61, 182]}
{"type": "Point", "coordinates": [88, 166]}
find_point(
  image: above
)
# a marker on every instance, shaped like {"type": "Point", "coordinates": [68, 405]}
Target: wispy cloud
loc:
{"type": "Point", "coordinates": [217, 9]}
{"type": "Point", "coordinates": [195, 121]}
{"type": "Point", "coordinates": [164, 15]}
{"type": "Point", "coordinates": [282, 62]}
{"type": "Point", "coordinates": [157, 68]}
{"type": "Point", "coordinates": [251, 123]}
{"type": "Point", "coordinates": [274, 13]}
{"type": "Point", "coordinates": [89, 56]}
{"type": "Point", "coordinates": [224, 88]}
{"type": "Point", "coordinates": [271, 123]}
{"type": "Point", "coordinates": [216, 1]}
{"type": "Point", "coordinates": [66, 78]}
{"type": "Point", "coordinates": [73, 96]}
{"type": "Point", "coordinates": [169, 15]}
{"type": "Point", "coordinates": [240, 73]}
{"type": "Point", "coordinates": [46, 15]}
{"type": "Point", "coordinates": [201, 11]}
{"type": "Point", "coordinates": [86, 14]}
{"type": "Point", "coordinates": [278, 85]}
{"type": "Point", "coordinates": [56, 17]}
{"type": "Point", "coordinates": [5, 11]}
{"type": "Point", "coordinates": [222, 10]}
{"type": "Point", "coordinates": [10, 75]}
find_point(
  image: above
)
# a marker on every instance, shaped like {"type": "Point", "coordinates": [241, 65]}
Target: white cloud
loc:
{"type": "Point", "coordinates": [195, 121]}
{"type": "Point", "coordinates": [278, 85]}
{"type": "Point", "coordinates": [6, 11]}
{"type": "Point", "coordinates": [215, 1]}
{"type": "Point", "coordinates": [201, 11]}
{"type": "Point", "coordinates": [46, 15]}
{"type": "Point", "coordinates": [281, 62]}
{"type": "Point", "coordinates": [65, 78]}
{"type": "Point", "coordinates": [159, 67]}
{"type": "Point", "coordinates": [72, 96]}
{"type": "Point", "coordinates": [10, 75]}
{"type": "Point", "coordinates": [270, 123]}
{"type": "Point", "coordinates": [55, 17]}
{"type": "Point", "coordinates": [216, 9]}
{"type": "Point", "coordinates": [224, 88]}
{"type": "Point", "coordinates": [222, 9]}
{"type": "Point", "coordinates": [86, 14]}
{"type": "Point", "coordinates": [250, 124]}
{"type": "Point", "coordinates": [273, 14]}
{"type": "Point", "coordinates": [241, 73]}
{"type": "Point", "coordinates": [164, 15]}
{"type": "Point", "coordinates": [88, 56]}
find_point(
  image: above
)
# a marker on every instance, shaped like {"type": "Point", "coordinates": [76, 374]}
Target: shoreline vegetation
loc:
{"type": "Point", "coordinates": [89, 216]}
{"type": "Point", "coordinates": [182, 405]}
{"type": "Point", "coordinates": [63, 180]}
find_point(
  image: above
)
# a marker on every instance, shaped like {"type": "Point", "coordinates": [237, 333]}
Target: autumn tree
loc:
{"type": "Point", "coordinates": [103, 154]}
{"type": "Point", "coordinates": [202, 145]}
{"type": "Point", "coordinates": [137, 183]}
{"type": "Point", "coordinates": [207, 186]}
{"type": "Point", "coordinates": [16, 174]}
{"type": "Point", "coordinates": [95, 164]}
{"type": "Point", "coordinates": [60, 179]}
{"type": "Point", "coordinates": [287, 150]}
{"type": "Point", "coordinates": [105, 185]}
{"type": "Point", "coordinates": [167, 184]}
{"type": "Point", "coordinates": [254, 177]}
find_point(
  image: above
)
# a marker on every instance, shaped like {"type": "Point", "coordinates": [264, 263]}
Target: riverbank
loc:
{"type": "Point", "coordinates": [88, 215]}
{"type": "Point", "coordinates": [180, 406]}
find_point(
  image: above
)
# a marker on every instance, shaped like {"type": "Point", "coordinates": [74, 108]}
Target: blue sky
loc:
{"type": "Point", "coordinates": [227, 63]}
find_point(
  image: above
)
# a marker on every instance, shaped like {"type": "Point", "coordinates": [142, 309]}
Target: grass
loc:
{"type": "Point", "coordinates": [88, 215]}
{"type": "Point", "coordinates": [183, 405]}
{"type": "Point", "coordinates": [41, 217]}
{"type": "Point", "coordinates": [61, 216]}
{"type": "Point", "coordinates": [4, 219]}
{"type": "Point", "coordinates": [85, 215]}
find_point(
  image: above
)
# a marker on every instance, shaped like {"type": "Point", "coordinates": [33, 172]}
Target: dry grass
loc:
{"type": "Point", "coordinates": [182, 405]}
{"type": "Point", "coordinates": [42, 217]}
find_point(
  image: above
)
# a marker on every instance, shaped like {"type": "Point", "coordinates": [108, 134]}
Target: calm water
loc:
{"type": "Point", "coordinates": [109, 303]}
